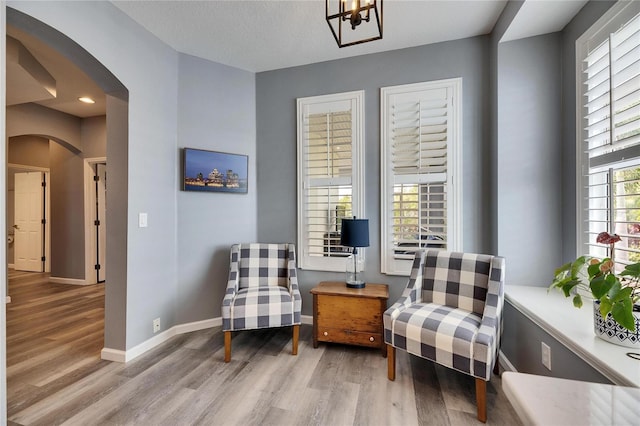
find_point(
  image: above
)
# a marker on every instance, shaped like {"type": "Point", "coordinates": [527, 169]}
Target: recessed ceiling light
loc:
{"type": "Point", "coordinates": [86, 100]}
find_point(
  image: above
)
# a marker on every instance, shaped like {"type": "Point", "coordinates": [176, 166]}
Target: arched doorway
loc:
{"type": "Point", "coordinates": [117, 149]}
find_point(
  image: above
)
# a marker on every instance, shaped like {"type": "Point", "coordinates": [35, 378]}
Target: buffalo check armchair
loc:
{"type": "Point", "coordinates": [262, 291]}
{"type": "Point", "coordinates": [450, 313]}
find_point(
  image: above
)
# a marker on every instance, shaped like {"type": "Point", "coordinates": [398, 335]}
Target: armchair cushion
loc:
{"type": "Point", "coordinates": [437, 332]}
{"type": "Point", "coordinates": [263, 265]}
{"type": "Point", "coordinates": [262, 307]}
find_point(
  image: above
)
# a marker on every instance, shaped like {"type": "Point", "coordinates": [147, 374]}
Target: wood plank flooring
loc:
{"type": "Point", "coordinates": [55, 375]}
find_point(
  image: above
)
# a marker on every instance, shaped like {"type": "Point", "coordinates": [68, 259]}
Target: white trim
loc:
{"type": "Point", "coordinates": [198, 325]}
{"type": "Point", "coordinates": [117, 355]}
{"type": "Point", "coordinates": [354, 100]}
{"type": "Point", "coordinates": [617, 15]}
{"type": "Point", "coordinates": [27, 167]}
{"type": "Point", "coordinates": [113, 355]}
{"type": "Point", "coordinates": [47, 209]}
{"type": "Point", "coordinates": [504, 361]}
{"type": "Point", "coordinates": [89, 233]}
{"type": "Point", "coordinates": [72, 281]}
{"type": "Point", "coordinates": [8, 299]}
{"type": "Point", "coordinates": [454, 172]}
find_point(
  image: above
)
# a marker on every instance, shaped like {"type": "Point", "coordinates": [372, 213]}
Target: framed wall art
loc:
{"type": "Point", "coordinates": [213, 171]}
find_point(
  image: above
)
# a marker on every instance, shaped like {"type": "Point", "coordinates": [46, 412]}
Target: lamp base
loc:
{"type": "Point", "coordinates": [355, 284]}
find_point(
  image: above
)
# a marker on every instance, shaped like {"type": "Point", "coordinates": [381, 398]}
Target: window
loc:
{"type": "Point", "coordinates": [330, 176]}
{"type": "Point", "coordinates": [420, 164]}
{"type": "Point", "coordinates": [609, 138]}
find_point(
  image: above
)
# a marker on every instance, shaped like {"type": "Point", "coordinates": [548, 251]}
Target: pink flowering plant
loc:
{"type": "Point", "coordinates": [617, 293]}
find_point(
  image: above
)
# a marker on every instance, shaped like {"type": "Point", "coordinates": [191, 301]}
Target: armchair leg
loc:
{"type": "Point", "coordinates": [296, 334]}
{"type": "Point", "coordinates": [391, 362]}
{"type": "Point", "coordinates": [481, 399]}
{"type": "Point", "coordinates": [227, 346]}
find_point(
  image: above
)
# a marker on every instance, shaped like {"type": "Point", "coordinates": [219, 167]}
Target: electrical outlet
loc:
{"type": "Point", "coordinates": [156, 325]}
{"type": "Point", "coordinates": [546, 355]}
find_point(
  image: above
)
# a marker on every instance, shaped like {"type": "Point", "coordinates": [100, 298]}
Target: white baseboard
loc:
{"type": "Point", "coordinates": [506, 364]}
{"type": "Point", "coordinates": [72, 281]}
{"type": "Point", "coordinates": [113, 355]}
{"type": "Point", "coordinates": [130, 354]}
{"type": "Point", "coordinates": [307, 319]}
{"type": "Point", "coordinates": [8, 299]}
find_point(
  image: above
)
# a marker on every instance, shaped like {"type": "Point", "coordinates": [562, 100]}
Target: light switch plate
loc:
{"type": "Point", "coordinates": [142, 220]}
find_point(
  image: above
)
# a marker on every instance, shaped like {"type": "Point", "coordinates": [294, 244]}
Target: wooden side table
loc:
{"type": "Point", "coordinates": [350, 316]}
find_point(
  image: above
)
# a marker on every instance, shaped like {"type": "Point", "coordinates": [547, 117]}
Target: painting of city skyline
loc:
{"type": "Point", "coordinates": [213, 171]}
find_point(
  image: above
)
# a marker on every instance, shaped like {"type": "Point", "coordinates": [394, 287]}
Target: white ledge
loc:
{"type": "Point", "coordinates": [573, 328]}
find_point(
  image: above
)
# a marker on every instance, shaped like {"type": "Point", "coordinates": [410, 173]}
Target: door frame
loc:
{"type": "Point", "coordinates": [47, 209]}
{"type": "Point", "coordinates": [90, 240]}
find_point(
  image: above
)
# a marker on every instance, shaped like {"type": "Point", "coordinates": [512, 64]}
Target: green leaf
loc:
{"type": "Point", "coordinates": [605, 307]}
{"type": "Point", "coordinates": [577, 301]}
{"type": "Point", "coordinates": [593, 270]}
{"type": "Point", "coordinates": [632, 270]}
{"type": "Point", "coordinates": [621, 294]}
{"type": "Point", "coordinates": [564, 268]}
{"type": "Point", "coordinates": [622, 312]}
{"type": "Point", "coordinates": [599, 286]}
{"type": "Point", "coordinates": [577, 265]}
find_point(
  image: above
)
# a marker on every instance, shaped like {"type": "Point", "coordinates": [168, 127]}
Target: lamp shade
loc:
{"type": "Point", "coordinates": [355, 233]}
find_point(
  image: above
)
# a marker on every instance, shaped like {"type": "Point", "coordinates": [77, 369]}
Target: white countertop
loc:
{"type": "Point", "coordinates": [573, 327]}
{"type": "Point", "coordinates": [541, 400]}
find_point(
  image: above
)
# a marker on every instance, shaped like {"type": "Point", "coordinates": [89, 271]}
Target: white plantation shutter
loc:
{"type": "Point", "coordinates": [419, 134]}
{"type": "Point", "coordinates": [609, 143]}
{"type": "Point", "coordinates": [329, 176]}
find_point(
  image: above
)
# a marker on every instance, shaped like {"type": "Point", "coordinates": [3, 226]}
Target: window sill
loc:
{"type": "Point", "coordinates": [573, 328]}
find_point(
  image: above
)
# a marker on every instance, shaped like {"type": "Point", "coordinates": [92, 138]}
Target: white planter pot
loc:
{"type": "Point", "coordinates": [609, 330]}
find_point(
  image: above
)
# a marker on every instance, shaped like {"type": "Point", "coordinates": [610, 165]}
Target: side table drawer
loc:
{"type": "Point", "coordinates": [350, 313]}
{"type": "Point", "coordinates": [350, 337]}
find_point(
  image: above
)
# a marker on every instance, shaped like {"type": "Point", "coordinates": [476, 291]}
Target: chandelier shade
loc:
{"type": "Point", "coordinates": [354, 21]}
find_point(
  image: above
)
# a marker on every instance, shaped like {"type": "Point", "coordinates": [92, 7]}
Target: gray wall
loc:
{"type": "Point", "coordinates": [521, 343]}
{"type": "Point", "coordinates": [143, 161]}
{"type": "Point", "coordinates": [67, 213]}
{"type": "Point", "coordinates": [216, 111]}
{"type": "Point", "coordinates": [276, 93]}
{"type": "Point", "coordinates": [521, 340]}
{"type": "Point", "coordinates": [529, 161]}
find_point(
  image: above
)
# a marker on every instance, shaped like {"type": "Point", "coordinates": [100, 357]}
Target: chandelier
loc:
{"type": "Point", "coordinates": [360, 15]}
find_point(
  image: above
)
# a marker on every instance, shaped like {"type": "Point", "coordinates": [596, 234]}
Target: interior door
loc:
{"type": "Point", "coordinates": [29, 214]}
{"type": "Point", "coordinates": [101, 223]}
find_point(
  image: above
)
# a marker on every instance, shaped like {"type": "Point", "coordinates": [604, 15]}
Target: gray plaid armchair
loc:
{"type": "Point", "coordinates": [450, 313]}
{"type": "Point", "coordinates": [262, 291]}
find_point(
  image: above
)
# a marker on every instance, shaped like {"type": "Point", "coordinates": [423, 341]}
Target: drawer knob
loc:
{"type": "Point", "coordinates": [325, 333]}
{"type": "Point", "coordinates": [372, 339]}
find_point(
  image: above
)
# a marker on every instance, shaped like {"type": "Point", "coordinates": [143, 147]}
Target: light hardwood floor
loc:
{"type": "Point", "coordinates": [55, 375]}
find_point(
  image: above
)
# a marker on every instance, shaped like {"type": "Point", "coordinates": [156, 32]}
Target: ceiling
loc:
{"type": "Point", "coordinates": [262, 35]}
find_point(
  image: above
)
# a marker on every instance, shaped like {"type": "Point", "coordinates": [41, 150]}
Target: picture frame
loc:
{"type": "Point", "coordinates": [214, 171]}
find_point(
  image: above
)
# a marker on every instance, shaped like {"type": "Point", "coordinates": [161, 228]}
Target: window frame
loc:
{"type": "Point", "coordinates": [356, 100]}
{"type": "Point", "coordinates": [388, 263]}
{"type": "Point", "coordinates": [609, 160]}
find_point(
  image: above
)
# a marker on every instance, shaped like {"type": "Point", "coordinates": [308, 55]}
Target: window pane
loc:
{"type": "Point", "coordinates": [419, 218]}
{"type": "Point", "coordinates": [326, 207]}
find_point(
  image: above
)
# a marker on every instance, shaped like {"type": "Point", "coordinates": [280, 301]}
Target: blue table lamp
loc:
{"type": "Point", "coordinates": [355, 233]}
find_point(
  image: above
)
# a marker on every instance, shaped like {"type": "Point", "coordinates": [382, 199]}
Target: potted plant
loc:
{"type": "Point", "coordinates": [614, 294]}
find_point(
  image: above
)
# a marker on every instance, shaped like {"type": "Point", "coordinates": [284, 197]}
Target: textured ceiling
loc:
{"type": "Point", "coordinates": [266, 35]}
{"type": "Point", "coordinates": [263, 35]}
